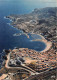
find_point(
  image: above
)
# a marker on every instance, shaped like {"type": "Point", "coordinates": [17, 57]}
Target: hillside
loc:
{"type": "Point", "coordinates": [39, 19]}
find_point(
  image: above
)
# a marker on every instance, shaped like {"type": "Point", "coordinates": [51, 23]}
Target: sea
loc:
{"type": "Point", "coordinates": [7, 40]}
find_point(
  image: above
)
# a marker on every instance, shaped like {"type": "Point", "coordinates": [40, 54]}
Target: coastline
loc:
{"type": "Point", "coordinates": [49, 45]}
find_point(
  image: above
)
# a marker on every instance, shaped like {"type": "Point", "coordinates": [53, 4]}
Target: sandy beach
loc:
{"type": "Point", "coordinates": [48, 45]}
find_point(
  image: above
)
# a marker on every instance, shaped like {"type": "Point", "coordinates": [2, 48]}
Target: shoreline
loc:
{"type": "Point", "coordinates": [48, 45]}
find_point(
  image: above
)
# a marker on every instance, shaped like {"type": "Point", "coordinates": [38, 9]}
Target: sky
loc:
{"type": "Point", "coordinates": [35, 2]}
{"type": "Point", "coordinates": [51, 1]}
{"type": "Point", "coordinates": [48, 0]}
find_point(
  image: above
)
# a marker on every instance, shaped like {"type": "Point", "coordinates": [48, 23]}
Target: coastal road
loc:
{"type": "Point", "coordinates": [24, 67]}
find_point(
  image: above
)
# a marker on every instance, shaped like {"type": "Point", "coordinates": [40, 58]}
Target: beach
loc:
{"type": "Point", "coordinates": [48, 45]}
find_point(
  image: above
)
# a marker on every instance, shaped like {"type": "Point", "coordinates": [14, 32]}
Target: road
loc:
{"type": "Point", "coordinates": [32, 72]}
{"type": "Point", "coordinates": [23, 66]}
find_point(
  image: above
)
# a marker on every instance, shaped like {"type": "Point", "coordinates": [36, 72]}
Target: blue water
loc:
{"type": "Point", "coordinates": [34, 36]}
{"type": "Point", "coordinates": [7, 7]}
